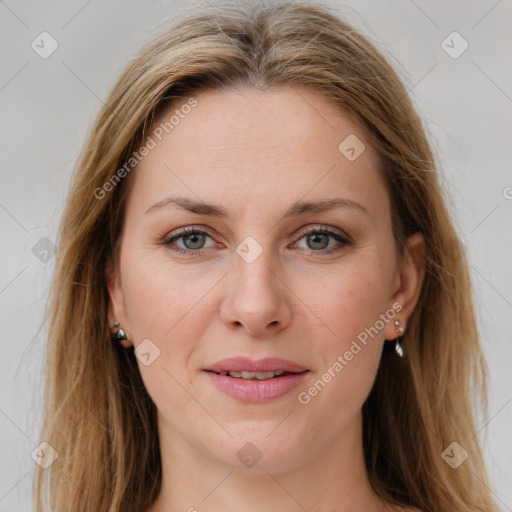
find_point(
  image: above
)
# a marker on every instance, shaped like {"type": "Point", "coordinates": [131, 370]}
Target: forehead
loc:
{"type": "Point", "coordinates": [290, 118]}
{"type": "Point", "coordinates": [248, 146]}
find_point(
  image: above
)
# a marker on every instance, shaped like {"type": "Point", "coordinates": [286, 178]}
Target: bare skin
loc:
{"type": "Point", "coordinates": [255, 154]}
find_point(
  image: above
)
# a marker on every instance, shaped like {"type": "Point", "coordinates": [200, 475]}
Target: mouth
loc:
{"type": "Point", "coordinates": [246, 375]}
{"type": "Point", "coordinates": [256, 381]}
{"type": "Point", "coordinates": [267, 365]}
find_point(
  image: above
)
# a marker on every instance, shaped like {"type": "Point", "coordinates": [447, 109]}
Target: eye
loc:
{"type": "Point", "coordinates": [318, 240]}
{"type": "Point", "coordinates": [193, 240]}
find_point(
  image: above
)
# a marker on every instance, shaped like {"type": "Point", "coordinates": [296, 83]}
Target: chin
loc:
{"type": "Point", "coordinates": [264, 449]}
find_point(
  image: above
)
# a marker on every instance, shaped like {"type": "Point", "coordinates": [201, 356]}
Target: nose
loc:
{"type": "Point", "coordinates": [256, 298]}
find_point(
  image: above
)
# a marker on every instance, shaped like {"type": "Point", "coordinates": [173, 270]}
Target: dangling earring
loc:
{"type": "Point", "coordinates": [119, 335]}
{"type": "Point", "coordinates": [398, 346]}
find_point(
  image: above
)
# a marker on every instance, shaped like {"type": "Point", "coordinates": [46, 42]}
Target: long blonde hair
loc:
{"type": "Point", "coordinates": [98, 415]}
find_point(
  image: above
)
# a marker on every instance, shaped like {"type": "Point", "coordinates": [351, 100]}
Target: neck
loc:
{"type": "Point", "coordinates": [335, 479]}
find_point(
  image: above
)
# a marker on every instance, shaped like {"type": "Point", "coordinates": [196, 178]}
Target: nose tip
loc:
{"type": "Point", "coordinates": [256, 300]}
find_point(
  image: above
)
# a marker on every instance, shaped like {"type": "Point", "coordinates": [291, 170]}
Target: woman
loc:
{"type": "Point", "coordinates": [259, 301]}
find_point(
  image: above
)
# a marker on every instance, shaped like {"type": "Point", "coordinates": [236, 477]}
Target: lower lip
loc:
{"type": "Point", "coordinates": [256, 390]}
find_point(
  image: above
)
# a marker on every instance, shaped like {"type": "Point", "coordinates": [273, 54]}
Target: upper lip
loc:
{"type": "Point", "coordinates": [267, 364]}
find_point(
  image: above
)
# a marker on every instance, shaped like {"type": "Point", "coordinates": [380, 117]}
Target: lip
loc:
{"type": "Point", "coordinates": [254, 391]}
{"type": "Point", "coordinates": [267, 364]}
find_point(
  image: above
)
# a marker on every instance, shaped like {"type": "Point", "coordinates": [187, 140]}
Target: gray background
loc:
{"type": "Point", "coordinates": [48, 106]}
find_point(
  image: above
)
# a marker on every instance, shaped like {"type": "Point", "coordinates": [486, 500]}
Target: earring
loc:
{"type": "Point", "coordinates": [398, 346]}
{"type": "Point", "coordinates": [119, 335]}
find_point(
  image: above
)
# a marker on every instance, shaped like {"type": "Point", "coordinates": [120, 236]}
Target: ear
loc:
{"type": "Point", "coordinates": [116, 302]}
{"type": "Point", "coordinates": [408, 282]}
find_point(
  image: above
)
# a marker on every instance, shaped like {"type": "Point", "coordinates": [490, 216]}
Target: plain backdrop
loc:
{"type": "Point", "coordinates": [48, 105]}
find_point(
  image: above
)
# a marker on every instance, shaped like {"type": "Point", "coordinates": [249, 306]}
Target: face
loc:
{"type": "Point", "coordinates": [260, 272]}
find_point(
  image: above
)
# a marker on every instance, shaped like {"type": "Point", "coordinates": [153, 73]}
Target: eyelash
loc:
{"type": "Point", "coordinates": [345, 241]}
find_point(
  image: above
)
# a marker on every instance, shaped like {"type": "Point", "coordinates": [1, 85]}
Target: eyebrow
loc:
{"type": "Point", "coordinates": [216, 210]}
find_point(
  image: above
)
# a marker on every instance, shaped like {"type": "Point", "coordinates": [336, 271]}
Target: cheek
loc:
{"type": "Point", "coordinates": [160, 296]}
{"type": "Point", "coordinates": [346, 301]}
{"type": "Point", "coordinates": [166, 305]}
{"type": "Point", "coordinates": [351, 309]}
